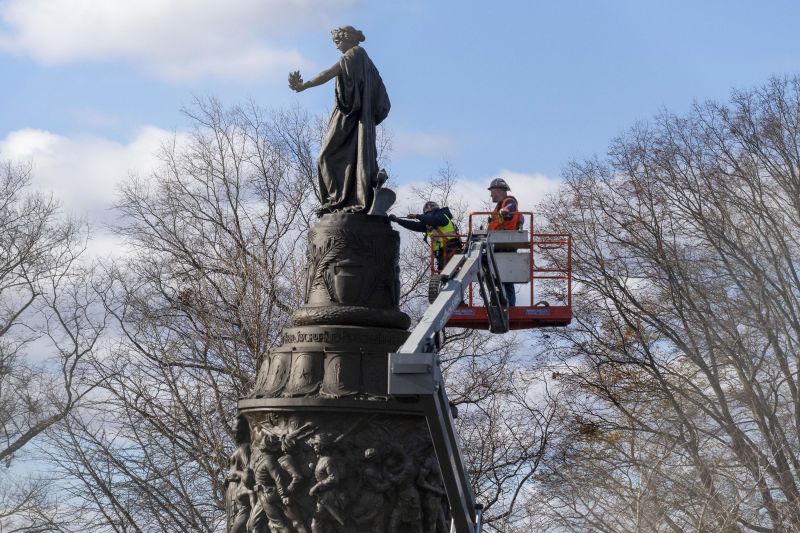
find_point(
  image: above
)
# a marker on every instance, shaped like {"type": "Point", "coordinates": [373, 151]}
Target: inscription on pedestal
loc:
{"type": "Point", "coordinates": [357, 337]}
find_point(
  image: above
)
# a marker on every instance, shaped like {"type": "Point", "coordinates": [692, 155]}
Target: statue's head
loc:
{"type": "Point", "coordinates": [322, 442]}
{"type": "Point", "coordinates": [242, 431]}
{"type": "Point", "coordinates": [346, 37]}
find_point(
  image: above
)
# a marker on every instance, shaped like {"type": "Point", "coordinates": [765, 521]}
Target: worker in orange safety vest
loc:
{"type": "Point", "coordinates": [505, 216]}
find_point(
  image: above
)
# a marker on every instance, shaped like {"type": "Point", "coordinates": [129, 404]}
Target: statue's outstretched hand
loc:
{"type": "Point", "coordinates": [296, 81]}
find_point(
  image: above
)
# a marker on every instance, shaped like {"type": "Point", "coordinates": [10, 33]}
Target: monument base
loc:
{"type": "Point", "coordinates": [368, 466]}
{"type": "Point", "coordinates": [328, 450]}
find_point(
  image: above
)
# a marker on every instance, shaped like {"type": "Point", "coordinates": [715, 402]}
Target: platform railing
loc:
{"type": "Point", "coordinates": [540, 244]}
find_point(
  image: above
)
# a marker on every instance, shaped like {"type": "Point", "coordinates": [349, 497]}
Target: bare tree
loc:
{"type": "Point", "coordinates": [50, 323]}
{"type": "Point", "coordinates": [216, 244]}
{"type": "Point", "coordinates": [505, 421]}
{"type": "Point", "coordinates": [682, 366]}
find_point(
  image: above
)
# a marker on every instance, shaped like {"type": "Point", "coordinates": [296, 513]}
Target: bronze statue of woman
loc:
{"type": "Point", "coordinates": [348, 166]}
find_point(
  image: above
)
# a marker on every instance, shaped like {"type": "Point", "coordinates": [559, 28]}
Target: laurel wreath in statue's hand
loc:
{"type": "Point", "coordinates": [295, 81]}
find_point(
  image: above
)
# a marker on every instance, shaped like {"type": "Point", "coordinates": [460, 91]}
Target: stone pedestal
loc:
{"type": "Point", "coordinates": [328, 450]}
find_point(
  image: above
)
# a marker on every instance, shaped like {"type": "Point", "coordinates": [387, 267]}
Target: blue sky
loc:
{"type": "Point", "coordinates": [517, 87]}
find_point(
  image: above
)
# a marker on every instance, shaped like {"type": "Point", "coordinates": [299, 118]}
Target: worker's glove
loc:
{"type": "Point", "coordinates": [393, 218]}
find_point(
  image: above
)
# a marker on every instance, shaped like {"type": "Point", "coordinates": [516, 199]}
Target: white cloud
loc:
{"type": "Point", "coordinates": [83, 173]}
{"type": "Point", "coordinates": [176, 39]}
{"type": "Point", "coordinates": [528, 189]}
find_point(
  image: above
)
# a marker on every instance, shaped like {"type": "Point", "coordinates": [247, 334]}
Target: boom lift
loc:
{"type": "Point", "coordinates": [415, 372]}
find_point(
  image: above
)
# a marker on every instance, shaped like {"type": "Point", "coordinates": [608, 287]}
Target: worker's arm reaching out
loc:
{"type": "Point", "coordinates": [434, 219]}
{"type": "Point", "coordinates": [423, 222]}
{"type": "Point", "coordinates": [412, 225]}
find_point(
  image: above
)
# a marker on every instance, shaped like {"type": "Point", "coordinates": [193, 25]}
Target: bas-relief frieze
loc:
{"type": "Point", "coordinates": [335, 473]}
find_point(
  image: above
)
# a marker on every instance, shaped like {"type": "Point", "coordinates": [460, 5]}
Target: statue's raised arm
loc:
{"type": "Point", "coordinates": [348, 166]}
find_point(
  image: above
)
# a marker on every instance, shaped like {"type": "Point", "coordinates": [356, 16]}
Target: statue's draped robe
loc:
{"type": "Point", "coordinates": [348, 163]}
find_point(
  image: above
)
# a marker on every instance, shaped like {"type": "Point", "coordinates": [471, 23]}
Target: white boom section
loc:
{"type": "Point", "coordinates": [414, 369]}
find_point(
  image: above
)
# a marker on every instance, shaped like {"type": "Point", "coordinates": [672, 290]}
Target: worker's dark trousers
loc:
{"type": "Point", "coordinates": [511, 293]}
{"type": "Point", "coordinates": [443, 255]}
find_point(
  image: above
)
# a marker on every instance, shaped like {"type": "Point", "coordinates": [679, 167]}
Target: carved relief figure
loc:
{"type": "Point", "coordinates": [238, 462]}
{"type": "Point", "coordinates": [244, 499]}
{"type": "Point", "coordinates": [368, 512]}
{"type": "Point", "coordinates": [268, 519]}
{"type": "Point", "coordinates": [348, 165]}
{"type": "Point", "coordinates": [271, 483]}
{"type": "Point", "coordinates": [289, 445]}
{"type": "Point", "coordinates": [429, 481]}
{"type": "Point", "coordinates": [407, 512]}
{"type": "Point", "coordinates": [328, 475]}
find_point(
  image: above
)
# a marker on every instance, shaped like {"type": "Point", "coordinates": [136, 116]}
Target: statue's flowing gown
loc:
{"type": "Point", "coordinates": [348, 163]}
